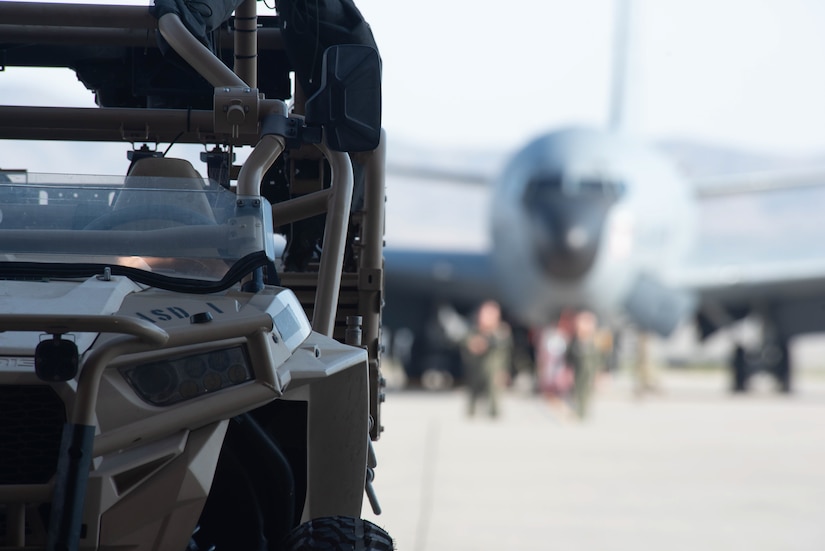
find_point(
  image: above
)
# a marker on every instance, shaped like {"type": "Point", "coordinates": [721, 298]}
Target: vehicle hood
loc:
{"type": "Point", "coordinates": [91, 296]}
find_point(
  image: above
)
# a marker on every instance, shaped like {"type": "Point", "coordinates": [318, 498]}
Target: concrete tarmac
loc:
{"type": "Point", "coordinates": [691, 468]}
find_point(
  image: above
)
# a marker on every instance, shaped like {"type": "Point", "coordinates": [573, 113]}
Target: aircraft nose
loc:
{"type": "Point", "coordinates": [566, 232]}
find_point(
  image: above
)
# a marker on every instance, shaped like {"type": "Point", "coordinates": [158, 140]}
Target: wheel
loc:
{"type": "Point", "coordinates": [782, 370]}
{"type": "Point", "coordinates": [137, 213]}
{"type": "Point", "coordinates": [740, 370]}
{"type": "Point", "coordinates": [437, 379]}
{"type": "Point", "coordinates": [338, 534]}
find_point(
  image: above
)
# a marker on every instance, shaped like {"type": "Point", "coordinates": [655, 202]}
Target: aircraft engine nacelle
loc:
{"type": "Point", "coordinates": [586, 219]}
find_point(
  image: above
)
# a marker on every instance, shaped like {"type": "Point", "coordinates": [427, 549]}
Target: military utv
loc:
{"type": "Point", "coordinates": [174, 375]}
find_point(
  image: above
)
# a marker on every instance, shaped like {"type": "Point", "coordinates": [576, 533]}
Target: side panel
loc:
{"type": "Point", "coordinates": [338, 436]}
{"type": "Point", "coordinates": [161, 512]}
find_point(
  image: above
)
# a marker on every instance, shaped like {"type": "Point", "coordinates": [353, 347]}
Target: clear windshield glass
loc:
{"type": "Point", "coordinates": [178, 228]}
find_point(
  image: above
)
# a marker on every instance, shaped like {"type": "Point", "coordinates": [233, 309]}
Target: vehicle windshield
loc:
{"type": "Point", "coordinates": [186, 234]}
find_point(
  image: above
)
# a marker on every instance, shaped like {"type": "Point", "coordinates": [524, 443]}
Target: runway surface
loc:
{"type": "Point", "coordinates": [690, 468]}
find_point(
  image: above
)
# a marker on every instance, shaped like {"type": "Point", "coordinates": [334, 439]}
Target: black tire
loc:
{"type": "Point", "coordinates": [782, 370]}
{"type": "Point", "coordinates": [740, 371]}
{"type": "Point", "coordinates": [338, 534]}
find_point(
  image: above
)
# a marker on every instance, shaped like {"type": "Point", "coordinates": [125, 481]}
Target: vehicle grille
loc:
{"type": "Point", "coordinates": [31, 424]}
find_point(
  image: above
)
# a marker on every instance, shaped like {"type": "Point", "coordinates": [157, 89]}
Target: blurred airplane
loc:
{"type": "Point", "coordinates": [593, 219]}
{"type": "Point", "coordinates": [584, 218]}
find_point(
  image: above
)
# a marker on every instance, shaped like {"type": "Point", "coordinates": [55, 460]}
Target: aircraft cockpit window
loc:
{"type": "Point", "coordinates": [541, 186]}
{"type": "Point", "coordinates": [550, 182]}
{"type": "Point", "coordinates": [552, 185]}
{"type": "Point", "coordinates": [606, 186]}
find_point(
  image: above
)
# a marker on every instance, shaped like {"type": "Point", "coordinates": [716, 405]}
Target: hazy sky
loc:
{"type": "Point", "coordinates": [742, 72]}
{"type": "Point", "coordinates": [491, 75]}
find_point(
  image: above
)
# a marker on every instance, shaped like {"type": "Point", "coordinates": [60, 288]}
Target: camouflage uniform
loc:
{"type": "Point", "coordinates": [486, 354]}
{"type": "Point", "coordinates": [585, 359]}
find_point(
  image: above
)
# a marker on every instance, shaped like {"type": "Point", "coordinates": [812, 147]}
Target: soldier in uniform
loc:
{"type": "Point", "coordinates": [585, 358]}
{"type": "Point", "coordinates": [485, 352]}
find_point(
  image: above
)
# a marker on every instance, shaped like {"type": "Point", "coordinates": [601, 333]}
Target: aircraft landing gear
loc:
{"type": "Point", "coordinates": [772, 357]}
{"type": "Point", "coordinates": [782, 370]}
{"type": "Point", "coordinates": [740, 370]}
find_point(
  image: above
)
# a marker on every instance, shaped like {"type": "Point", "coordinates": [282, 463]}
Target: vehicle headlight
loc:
{"type": "Point", "coordinates": [172, 380]}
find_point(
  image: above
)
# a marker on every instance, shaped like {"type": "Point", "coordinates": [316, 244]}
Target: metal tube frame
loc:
{"type": "Point", "coordinates": [196, 54]}
{"type": "Point", "coordinates": [372, 273]}
{"type": "Point", "coordinates": [77, 444]}
{"type": "Point", "coordinates": [335, 237]}
{"type": "Point", "coordinates": [72, 24]}
{"type": "Point", "coordinates": [155, 125]}
{"type": "Point", "coordinates": [246, 40]}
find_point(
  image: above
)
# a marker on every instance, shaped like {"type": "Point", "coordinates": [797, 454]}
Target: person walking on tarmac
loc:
{"type": "Point", "coordinates": [585, 358]}
{"type": "Point", "coordinates": [485, 353]}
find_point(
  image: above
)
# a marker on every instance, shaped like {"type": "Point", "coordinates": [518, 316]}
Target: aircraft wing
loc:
{"type": "Point", "coordinates": [452, 276]}
{"type": "Point", "coordinates": [437, 237]}
{"type": "Point", "coordinates": [760, 243]}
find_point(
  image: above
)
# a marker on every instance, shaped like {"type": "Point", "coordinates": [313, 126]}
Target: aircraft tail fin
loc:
{"type": "Point", "coordinates": [622, 116]}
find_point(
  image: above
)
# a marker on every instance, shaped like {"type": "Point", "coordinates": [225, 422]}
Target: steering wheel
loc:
{"type": "Point", "coordinates": [136, 213]}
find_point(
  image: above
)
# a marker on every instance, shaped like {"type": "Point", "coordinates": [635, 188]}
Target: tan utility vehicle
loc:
{"type": "Point", "coordinates": [168, 379]}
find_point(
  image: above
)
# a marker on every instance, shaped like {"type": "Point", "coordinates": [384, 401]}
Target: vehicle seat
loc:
{"type": "Point", "coordinates": [180, 175]}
